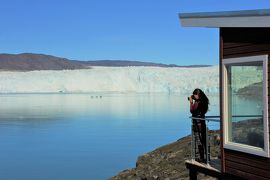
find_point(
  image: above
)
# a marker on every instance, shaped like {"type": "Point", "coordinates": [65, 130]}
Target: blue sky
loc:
{"type": "Point", "coordinates": [144, 30]}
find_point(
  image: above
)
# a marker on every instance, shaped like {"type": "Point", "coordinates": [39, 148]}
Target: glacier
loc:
{"type": "Point", "coordinates": [112, 79]}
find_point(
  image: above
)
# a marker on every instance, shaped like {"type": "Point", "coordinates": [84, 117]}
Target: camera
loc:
{"type": "Point", "coordinates": [192, 96]}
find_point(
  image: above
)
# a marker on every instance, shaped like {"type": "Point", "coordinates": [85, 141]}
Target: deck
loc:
{"type": "Point", "coordinates": [213, 168]}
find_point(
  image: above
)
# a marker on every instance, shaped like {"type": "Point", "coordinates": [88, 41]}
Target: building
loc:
{"type": "Point", "coordinates": [244, 71]}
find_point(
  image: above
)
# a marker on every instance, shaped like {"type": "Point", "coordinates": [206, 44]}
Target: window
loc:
{"type": "Point", "coordinates": [245, 106]}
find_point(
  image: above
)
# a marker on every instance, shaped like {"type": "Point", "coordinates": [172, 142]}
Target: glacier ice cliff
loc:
{"type": "Point", "coordinates": [112, 79]}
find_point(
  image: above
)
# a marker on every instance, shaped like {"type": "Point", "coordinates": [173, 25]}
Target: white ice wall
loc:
{"type": "Point", "coordinates": [112, 79]}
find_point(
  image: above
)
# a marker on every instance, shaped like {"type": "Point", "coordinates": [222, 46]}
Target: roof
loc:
{"type": "Point", "coordinates": [244, 18]}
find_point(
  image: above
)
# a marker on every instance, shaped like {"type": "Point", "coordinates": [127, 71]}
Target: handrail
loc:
{"type": "Point", "coordinates": [210, 118]}
{"type": "Point", "coordinates": [207, 118]}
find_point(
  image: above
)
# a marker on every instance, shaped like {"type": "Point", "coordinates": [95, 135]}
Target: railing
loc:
{"type": "Point", "coordinates": [207, 119]}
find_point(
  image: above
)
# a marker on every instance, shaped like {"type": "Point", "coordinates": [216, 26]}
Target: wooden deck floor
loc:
{"type": "Point", "coordinates": [212, 169]}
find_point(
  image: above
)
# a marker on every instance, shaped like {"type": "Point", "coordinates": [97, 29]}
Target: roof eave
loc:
{"type": "Point", "coordinates": [253, 18]}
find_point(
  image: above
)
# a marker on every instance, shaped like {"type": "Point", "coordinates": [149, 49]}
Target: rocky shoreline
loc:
{"type": "Point", "coordinates": [166, 162]}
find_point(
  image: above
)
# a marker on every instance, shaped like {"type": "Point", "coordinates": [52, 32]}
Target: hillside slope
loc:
{"type": "Point", "coordinates": [28, 62]}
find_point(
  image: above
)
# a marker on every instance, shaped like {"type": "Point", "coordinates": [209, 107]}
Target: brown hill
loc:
{"type": "Point", "coordinates": [29, 62]}
{"type": "Point", "coordinates": [167, 162]}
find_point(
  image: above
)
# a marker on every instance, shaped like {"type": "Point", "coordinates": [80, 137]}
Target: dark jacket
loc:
{"type": "Point", "coordinates": [198, 109]}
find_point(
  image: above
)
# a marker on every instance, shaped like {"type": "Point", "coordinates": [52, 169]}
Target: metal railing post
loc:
{"type": "Point", "coordinates": [206, 142]}
{"type": "Point", "coordinates": [192, 142]}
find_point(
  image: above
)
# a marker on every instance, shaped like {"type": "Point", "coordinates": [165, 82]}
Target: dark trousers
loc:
{"type": "Point", "coordinates": [200, 127]}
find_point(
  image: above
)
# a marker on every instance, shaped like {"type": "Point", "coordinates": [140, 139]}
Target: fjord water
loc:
{"type": "Point", "coordinates": [86, 136]}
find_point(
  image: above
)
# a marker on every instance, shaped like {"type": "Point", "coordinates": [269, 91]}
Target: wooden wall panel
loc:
{"type": "Point", "coordinates": [245, 175]}
{"type": "Point", "coordinates": [241, 42]}
{"type": "Point", "coordinates": [253, 167]}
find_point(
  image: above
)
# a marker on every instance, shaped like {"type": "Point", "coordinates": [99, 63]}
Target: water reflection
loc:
{"type": "Point", "coordinates": [84, 136]}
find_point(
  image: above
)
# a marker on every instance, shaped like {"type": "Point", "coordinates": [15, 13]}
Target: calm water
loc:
{"type": "Point", "coordinates": [85, 136]}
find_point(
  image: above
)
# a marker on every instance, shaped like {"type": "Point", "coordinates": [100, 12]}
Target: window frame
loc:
{"type": "Point", "coordinates": [237, 146]}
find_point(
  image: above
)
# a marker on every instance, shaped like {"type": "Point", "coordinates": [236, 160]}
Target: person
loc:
{"type": "Point", "coordinates": [198, 108]}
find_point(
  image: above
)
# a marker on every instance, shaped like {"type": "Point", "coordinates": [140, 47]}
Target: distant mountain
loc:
{"type": "Point", "coordinates": [30, 62]}
{"type": "Point", "coordinates": [122, 63]}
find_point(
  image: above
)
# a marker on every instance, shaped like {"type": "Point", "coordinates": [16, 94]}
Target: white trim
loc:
{"type": "Point", "coordinates": [225, 103]}
{"type": "Point", "coordinates": [265, 94]}
{"type": "Point", "coordinates": [236, 146]}
{"type": "Point", "coordinates": [246, 149]}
